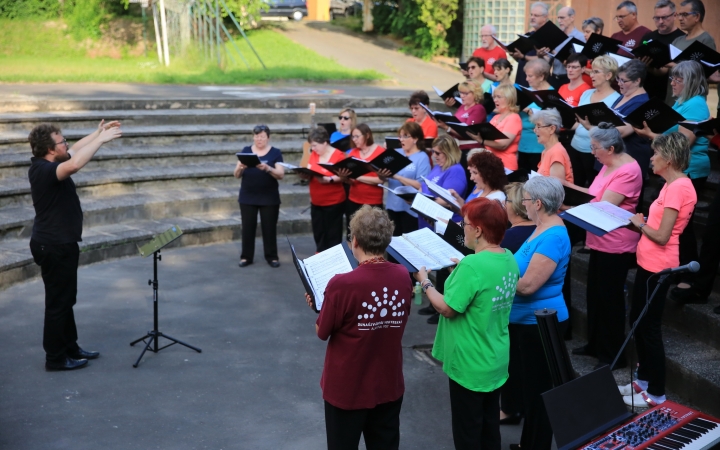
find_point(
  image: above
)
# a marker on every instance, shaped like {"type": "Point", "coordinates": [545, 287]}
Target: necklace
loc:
{"type": "Point", "coordinates": [374, 260]}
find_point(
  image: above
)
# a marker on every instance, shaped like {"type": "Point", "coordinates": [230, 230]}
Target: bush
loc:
{"type": "Point", "coordinates": [84, 17]}
{"type": "Point", "coordinates": [29, 9]}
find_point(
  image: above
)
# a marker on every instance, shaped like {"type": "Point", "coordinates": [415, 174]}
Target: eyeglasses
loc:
{"type": "Point", "coordinates": [527, 200]}
{"type": "Point", "coordinates": [619, 17]}
{"type": "Point", "coordinates": [677, 80]}
{"type": "Point", "coordinates": [435, 152]}
{"type": "Point", "coordinates": [538, 15]}
{"type": "Point", "coordinates": [596, 72]}
{"type": "Point", "coordinates": [464, 93]}
{"type": "Point", "coordinates": [661, 18]}
{"type": "Point", "coordinates": [684, 15]}
{"type": "Point", "coordinates": [64, 141]}
{"type": "Point", "coordinates": [594, 149]}
{"type": "Point", "coordinates": [402, 137]}
{"type": "Point", "coordinates": [543, 126]}
{"type": "Point", "coordinates": [343, 117]}
{"type": "Point", "coordinates": [260, 128]}
{"type": "Point", "coordinates": [356, 136]}
{"type": "Point", "coordinates": [621, 81]}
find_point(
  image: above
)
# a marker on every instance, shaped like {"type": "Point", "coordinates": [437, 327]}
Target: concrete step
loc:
{"type": "Point", "coordinates": [119, 240]}
{"type": "Point", "coordinates": [17, 221]}
{"type": "Point", "coordinates": [693, 368]}
{"type": "Point", "coordinates": [130, 118]}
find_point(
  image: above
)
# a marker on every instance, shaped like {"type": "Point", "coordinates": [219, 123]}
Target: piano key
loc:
{"type": "Point", "coordinates": [687, 433]}
{"type": "Point", "coordinates": [662, 447]}
{"type": "Point", "coordinates": [680, 438]}
{"type": "Point", "coordinates": [669, 443]}
{"type": "Point", "coordinates": [704, 423]}
{"type": "Point", "coordinates": [697, 429]}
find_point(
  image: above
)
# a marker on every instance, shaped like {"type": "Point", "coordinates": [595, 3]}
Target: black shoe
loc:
{"type": "Point", "coordinates": [274, 264]}
{"type": "Point", "coordinates": [67, 364]}
{"type": "Point", "coordinates": [427, 311]}
{"type": "Point", "coordinates": [512, 419]}
{"type": "Point", "coordinates": [685, 296]}
{"type": "Point", "coordinates": [82, 354]}
{"type": "Point", "coordinates": [244, 263]}
{"type": "Point", "coordinates": [583, 351]}
{"type": "Point", "coordinates": [434, 319]}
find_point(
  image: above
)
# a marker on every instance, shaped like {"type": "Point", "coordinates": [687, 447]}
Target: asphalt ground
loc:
{"type": "Point", "coordinates": [254, 386]}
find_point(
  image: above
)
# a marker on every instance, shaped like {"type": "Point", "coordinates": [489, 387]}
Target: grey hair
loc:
{"type": "Point", "coordinates": [697, 7]}
{"type": "Point", "coordinates": [570, 11]}
{"type": "Point", "coordinates": [627, 4]}
{"type": "Point", "coordinates": [608, 136]}
{"type": "Point", "coordinates": [595, 22]}
{"type": "Point", "coordinates": [549, 116]}
{"type": "Point", "coordinates": [665, 4]}
{"type": "Point", "coordinates": [539, 66]}
{"type": "Point", "coordinates": [634, 70]}
{"type": "Point", "coordinates": [493, 30]}
{"type": "Point", "coordinates": [541, 5]}
{"type": "Point", "coordinates": [549, 190]}
{"type": "Point", "coordinates": [694, 81]}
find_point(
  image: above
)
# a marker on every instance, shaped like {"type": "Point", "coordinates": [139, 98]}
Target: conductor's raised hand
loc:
{"type": "Point", "coordinates": [112, 124]}
{"type": "Point", "coordinates": [109, 134]}
{"type": "Point", "coordinates": [309, 300]}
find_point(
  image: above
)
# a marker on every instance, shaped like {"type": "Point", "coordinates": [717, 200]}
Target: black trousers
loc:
{"type": "Point", "coordinates": [268, 223]}
{"type": "Point", "coordinates": [327, 225]}
{"type": "Point", "coordinates": [576, 234]}
{"type": "Point", "coordinates": [379, 425]}
{"type": "Point", "coordinates": [475, 418]}
{"type": "Point", "coordinates": [351, 208]}
{"type": "Point", "coordinates": [404, 222]}
{"type": "Point", "coordinates": [607, 273]}
{"type": "Point", "coordinates": [511, 393]}
{"type": "Point", "coordinates": [688, 240]}
{"type": "Point", "coordinates": [58, 265]}
{"type": "Point", "coordinates": [529, 161]}
{"type": "Point", "coordinates": [709, 257]}
{"type": "Point", "coordinates": [536, 379]}
{"type": "Point", "coordinates": [583, 165]}
{"type": "Point", "coordinates": [648, 334]}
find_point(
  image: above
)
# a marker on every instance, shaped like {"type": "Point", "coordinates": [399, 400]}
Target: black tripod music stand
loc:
{"type": "Point", "coordinates": [153, 247]}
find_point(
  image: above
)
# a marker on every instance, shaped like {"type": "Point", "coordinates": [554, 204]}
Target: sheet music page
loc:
{"type": "Point", "coordinates": [433, 245]}
{"type": "Point", "coordinates": [674, 51]}
{"type": "Point", "coordinates": [433, 210]}
{"type": "Point", "coordinates": [603, 215]}
{"type": "Point", "coordinates": [413, 255]}
{"type": "Point", "coordinates": [442, 192]}
{"type": "Point", "coordinates": [287, 166]}
{"type": "Point", "coordinates": [400, 189]}
{"type": "Point", "coordinates": [578, 48]}
{"type": "Point", "coordinates": [533, 174]}
{"type": "Point", "coordinates": [438, 91]}
{"type": "Point", "coordinates": [323, 266]}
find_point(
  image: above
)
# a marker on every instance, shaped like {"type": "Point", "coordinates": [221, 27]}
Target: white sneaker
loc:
{"type": "Point", "coordinates": [636, 399]}
{"type": "Point", "coordinates": [629, 388]}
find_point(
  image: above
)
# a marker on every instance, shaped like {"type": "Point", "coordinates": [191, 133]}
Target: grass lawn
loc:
{"type": "Point", "coordinates": [32, 52]}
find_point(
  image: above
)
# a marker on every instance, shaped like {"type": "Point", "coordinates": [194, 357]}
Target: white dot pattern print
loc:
{"type": "Point", "coordinates": [389, 305]}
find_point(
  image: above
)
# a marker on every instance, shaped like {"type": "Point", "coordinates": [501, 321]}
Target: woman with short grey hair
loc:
{"type": "Point", "coordinates": [689, 86]}
{"type": "Point", "coordinates": [543, 259]}
{"type": "Point", "coordinates": [619, 182]}
{"type": "Point", "coordinates": [554, 159]}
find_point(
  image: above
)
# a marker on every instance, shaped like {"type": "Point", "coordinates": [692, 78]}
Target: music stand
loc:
{"type": "Point", "coordinates": [153, 247]}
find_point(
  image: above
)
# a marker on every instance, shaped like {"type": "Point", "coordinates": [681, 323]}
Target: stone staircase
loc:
{"type": "Point", "coordinates": [173, 165]}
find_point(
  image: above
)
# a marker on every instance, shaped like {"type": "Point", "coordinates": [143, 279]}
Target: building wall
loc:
{"type": "Point", "coordinates": [508, 16]}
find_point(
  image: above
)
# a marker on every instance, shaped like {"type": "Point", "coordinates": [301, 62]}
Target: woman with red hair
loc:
{"type": "Point", "coordinates": [472, 339]}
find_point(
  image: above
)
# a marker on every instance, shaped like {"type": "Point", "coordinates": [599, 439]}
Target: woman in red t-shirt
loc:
{"type": "Point", "coordinates": [364, 190]}
{"type": "Point", "coordinates": [327, 196]}
{"type": "Point", "coordinates": [572, 91]}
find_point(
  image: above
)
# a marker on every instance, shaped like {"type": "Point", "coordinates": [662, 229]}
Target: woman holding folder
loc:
{"type": "Point", "coordinates": [554, 159]}
{"type": "Point", "coordinates": [472, 339]}
{"type": "Point", "coordinates": [508, 122]}
{"type": "Point", "coordinates": [611, 256]}
{"type": "Point", "coordinates": [327, 196]}
{"type": "Point", "coordinates": [259, 193]}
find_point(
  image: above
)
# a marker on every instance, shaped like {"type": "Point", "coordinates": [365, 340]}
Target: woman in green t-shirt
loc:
{"type": "Point", "coordinates": [472, 338]}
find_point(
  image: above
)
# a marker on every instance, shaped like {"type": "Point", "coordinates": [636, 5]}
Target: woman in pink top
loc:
{"type": "Point", "coordinates": [554, 160]}
{"type": "Point", "coordinates": [470, 112]}
{"type": "Point", "coordinates": [619, 182]}
{"type": "Point", "coordinates": [659, 249]}
{"type": "Point", "coordinates": [508, 121]}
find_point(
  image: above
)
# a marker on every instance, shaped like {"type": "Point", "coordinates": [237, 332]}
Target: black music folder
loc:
{"type": "Point", "coordinates": [658, 115]}
{"type": "Point", "coordinates": [523, 44]}
{"type": "Point", "coordinates": [697, 51]}
{"type": "Point", "coordinates": [488, 102]}
{"type": "Point", "coordinates": [584, 408]}
{"type": "Point", "coordinates": [343, 144]}
{"type": "Point", "coordinates": [486, 130]}
{"type": "Point", "coordinates": [599, 112]}
{"type": "Point", "coordinates": [455, 236]}
{"type": "Point", "coordinates": [406, 193]}
{"type": "Point", "coordinates": [573, 197]}
{"type": "Point", "coordinates": [518, 176]}
{"type": "Point", "coordinates": [552, 99]}
{"type": "Point", "coordinates": [704, 128]}
{"type": "Point", "coordinates": [292, 168]}
{"type": "Point", "coordinates": [393, 161]}
{"type": "Point", "coordinates": [329, 127]}
{"type": "Point", "coordinates": [548, 35]}
{"type": "Point", "coordinates": [656, 50]}
{"type": "Point", "coordinates": [357, 167]}
{"type": "Point", "coordinates": [567, 49]}
{"type": "Point", "coordinates": [524, 97]}
{"type": "Point", "coordinates": [598, 45]}
{"type": "Point", "coordinates": [448, 94]}
{"type": "Point", "coordinates": [392, 143]}
{"type": "Point", "coordinates": [463, 66]}
{"type": "Point", "coordinates": [248, 159]}
{"type": "Point", "coordinates": [441, 116]}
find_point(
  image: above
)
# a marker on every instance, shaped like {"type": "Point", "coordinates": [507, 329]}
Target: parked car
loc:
{"type": "Point", "coordinates": [292, 9]}
{"type": "Point", "coordinates": [344, 8]}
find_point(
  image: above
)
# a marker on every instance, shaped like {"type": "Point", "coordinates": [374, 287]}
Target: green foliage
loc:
{"type": "Point", "coordinates": [37, 9]}
{"type": "Point", "coordinates": [84, 17]}
{"type": "Point", "coordinates": [247, 12]}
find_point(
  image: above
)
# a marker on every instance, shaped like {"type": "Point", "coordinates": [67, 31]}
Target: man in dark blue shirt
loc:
{"type": "Point", "coordinates": [57, 229]}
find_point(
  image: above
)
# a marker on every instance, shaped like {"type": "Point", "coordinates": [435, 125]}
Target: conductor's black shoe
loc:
{"type": "Point", "coordinates": [434, 319]}
{"type": "Point", "coordinates": [427, 311]}
{"type": "Point", "coordinates": [67, 364]}
{"type": "Point", "coordinates": [83, 354]}
{"type": "Point", "coordinates": [583, 351]}
{"type": "Point", "coordinates": [274, 264]}
{"type": "Point", "coordinates": [244, 263]}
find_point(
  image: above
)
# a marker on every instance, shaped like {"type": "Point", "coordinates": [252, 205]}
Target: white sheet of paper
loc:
{"type": "Point", "coordinates": [533, 174]}
{"type": "Point", "coordinates": [603, 215]}
{"type": "Point", "coordinates": [674, 51]}
{"type": "Point", "coordinates": [434, 245]}
{"type": "Point", "coordinates": [400, 189]}
{"type": "Point", "coordinates": [620, 59]}
{"type": "Point", "coordinates": [578, 48]}
{"type": "Point", "coordinates": [288, 166]}
{"type": "Point", "coordinates": [441, 192]}
{"type": "Point", "coordinates": [438, 91]}
{"type": "Point", "coordinates": [710, 64]}
{"type": "Point", "coordinates": [412, 254]}
{"type": "Point", "coordinates": [508, 171]}
{"type": "Point", "coordinates": [323, 266]}
{"type": "Point", "coordinates": [433, 210]}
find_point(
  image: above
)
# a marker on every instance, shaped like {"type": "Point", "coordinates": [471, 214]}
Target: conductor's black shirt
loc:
{"type": "Point", "coordinates": [58, 215]}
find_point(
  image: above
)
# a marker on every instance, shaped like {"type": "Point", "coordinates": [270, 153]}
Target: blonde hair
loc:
{"type": "Point", "coordinates": [514, 193]}
{"type": "Point", "coordinates": [353, 117]}
{"type": "Point", "coordinates": [447, 145]}
{"type": "Point", "coordinates": [674, 148]}
{"type": "Point", "coordinates": [473, 87]}
{"type": "Point", "coordinates": [606, 64]}
{"type": "Point", "coordinates": [509, 93]}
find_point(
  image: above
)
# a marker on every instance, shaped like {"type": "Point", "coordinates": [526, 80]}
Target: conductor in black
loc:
{"type": "Point", "coordinates": [57, 229]}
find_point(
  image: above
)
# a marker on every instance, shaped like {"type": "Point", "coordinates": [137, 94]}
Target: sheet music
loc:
{"type": "Point", "coordinates": [413, 255]}
{"type": "Point", "coordinates": [441, 192]}
{"type": "Point", "coordinates": [438, 91]}
{"type": "Point", "coordinates": [288, 166]}
{"type": "Point", "coordinates": [400, 190]}
{"type": "Point", "coordinates": [674, 51]}
{"type": "Point", "coordinates": [578, 48]}
{"type": "Point", "coordinates": [322, 267]}
{"type": "Point", "coordinates": [533, 174]}
{"type": "Point", "coordinates": [710, 64]}
{"type": "Point", "coordinates": [620, 59]}
{"type": "Point", "coordinates": [433, 245]}
{"type": "Point", "coordinates": [603, 215]}
{"type": "Point", "coordinates": [433, 210]}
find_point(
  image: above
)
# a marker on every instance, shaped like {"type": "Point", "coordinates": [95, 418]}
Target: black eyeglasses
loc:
{"type": "Point", "coordinates": [260, 128]}
{"type": "Point", "coordinates": [64, 141]}
{"type": "Point", "coordinates": [659, 18]}
{"type": "Point", "coordinates": [343, 117]}
{"type": "Point", "coordinates": [684, 14]}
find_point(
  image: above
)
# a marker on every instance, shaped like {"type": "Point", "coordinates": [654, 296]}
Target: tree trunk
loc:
{"type": "Point", "coordinates": [367, 16]}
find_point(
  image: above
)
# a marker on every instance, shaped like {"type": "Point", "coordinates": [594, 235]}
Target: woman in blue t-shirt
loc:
{"type": "Point", "coordinates": [259, 194]}
{"type": "Point", "coordinates": [543, 260]}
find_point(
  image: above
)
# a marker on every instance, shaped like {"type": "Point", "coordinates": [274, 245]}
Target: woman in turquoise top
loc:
{"type": "Point", "coordinates": [472, 339]}
{"type": "Point", "coordinates": [690, 87]}
{"type": "Point", "coordinates": [543, 260]}
{"type": "Point", "coordinates": [537, 72]}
